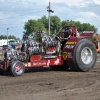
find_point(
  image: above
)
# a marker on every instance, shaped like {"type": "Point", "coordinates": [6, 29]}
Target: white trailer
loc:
{"type": "Point", "coordinates": [3, 42]}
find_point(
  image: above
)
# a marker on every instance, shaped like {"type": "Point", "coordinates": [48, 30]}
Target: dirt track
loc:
{"type": "Point", "coordinates": [45, 84]}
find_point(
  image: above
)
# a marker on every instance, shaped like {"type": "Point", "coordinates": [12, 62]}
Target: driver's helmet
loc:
{"type": "Point", "coordinates": [65, 32]}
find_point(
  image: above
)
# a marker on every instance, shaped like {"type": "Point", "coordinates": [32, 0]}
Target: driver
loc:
{"type": "Point", "coordinates": [66, 32]}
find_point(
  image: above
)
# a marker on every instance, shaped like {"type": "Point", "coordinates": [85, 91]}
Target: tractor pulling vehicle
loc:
{"type": "Point", "coordinates": [66, 51]}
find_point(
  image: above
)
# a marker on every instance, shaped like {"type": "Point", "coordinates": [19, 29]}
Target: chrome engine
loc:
{"type": "Point", "coordinates": [10, 54]}
{"type": "Point", "coordinates": [47, 48]}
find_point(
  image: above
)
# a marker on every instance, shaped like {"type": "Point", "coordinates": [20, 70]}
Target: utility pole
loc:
{"type": "Point", "coordinates": [7, 36]}
{"type": "Point", "coordinates": [49, 10]}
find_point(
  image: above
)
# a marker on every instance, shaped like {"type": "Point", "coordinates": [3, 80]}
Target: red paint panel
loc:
{"type": "Point", "coordinates": [47, 62]}
{"type": "Point", "coordinates": [70, 47]}
{"type": "Point", "coordinates": [35, 58]}
{"type": "Point", "coordinates": [87, 34]}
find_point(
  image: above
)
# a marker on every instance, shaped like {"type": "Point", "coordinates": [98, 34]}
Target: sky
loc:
{"type": "Point", "coordinates": [14, 13]}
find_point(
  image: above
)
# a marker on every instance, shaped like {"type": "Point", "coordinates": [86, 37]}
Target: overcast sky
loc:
{"type": "Point", "coordinates": [14, 13]}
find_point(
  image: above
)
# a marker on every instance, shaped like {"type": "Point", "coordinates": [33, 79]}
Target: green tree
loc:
{"type": "Point", "coordinates": [39, 27]}
{"type": "Point", "coordinates": [44, 20]}
{"type": "Point", "coordinates": [65, 23]}
{"type": "Point", "coordinates": [9, 37]}
{"type": "Point", "coordinates": [1, 37]}
{"type": "Point", "coordinates": [80, 26]}
{"type": "Point", "coordinates": [55, 24]}
{"type": "Point", "coordinates": [31, 27]}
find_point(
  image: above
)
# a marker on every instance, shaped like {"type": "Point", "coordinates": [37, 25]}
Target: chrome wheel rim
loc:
{"type": "Point", "coordinates": [86, 55]}
{"type": "Point", "coordinates": [18, 69]}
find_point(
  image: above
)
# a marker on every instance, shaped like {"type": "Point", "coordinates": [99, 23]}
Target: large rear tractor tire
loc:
{"type": "Point", "coordinates": [17, 68]}
{"type": "Point", "coordinates": [85, 56]}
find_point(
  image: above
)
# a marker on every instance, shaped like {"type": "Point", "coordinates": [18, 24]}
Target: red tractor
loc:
{"type": "Point", "coordinates": [69, 50]}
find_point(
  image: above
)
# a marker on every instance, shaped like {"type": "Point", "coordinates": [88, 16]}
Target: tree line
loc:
{"type": "Point", "coordinates": [9, 37]}
{"type": "Point", "coordinates": [32, 26]}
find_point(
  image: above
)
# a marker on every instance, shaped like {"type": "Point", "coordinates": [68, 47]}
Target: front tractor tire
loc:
{"type": "Point", "coordinates": [17, 68]}
{"type": "Point", "coordinates": [85, 56]}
